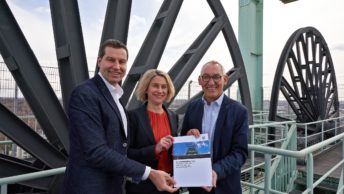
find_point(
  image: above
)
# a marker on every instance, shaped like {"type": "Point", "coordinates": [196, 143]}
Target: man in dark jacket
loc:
{"type": "Point", "coordinates": [98, 132]}
{"type": "Point", "coordinates": [225, 121]}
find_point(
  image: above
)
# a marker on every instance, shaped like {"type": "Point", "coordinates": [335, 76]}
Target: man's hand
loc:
{"type": "Point", "coordinates": [194, 132]}
{"type": "Point", "coordinates": [214, 176]}
{"type": "Point", "coordinates": [164, 144]}
{"type": "Point", "coordinates": [162, 181]}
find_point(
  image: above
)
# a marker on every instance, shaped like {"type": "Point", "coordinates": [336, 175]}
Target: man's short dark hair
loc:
{"type": "Point", "coordinates": [113, 43]}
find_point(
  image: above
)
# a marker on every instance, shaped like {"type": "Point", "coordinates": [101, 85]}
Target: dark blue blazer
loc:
{"type": "Point", "coordinates": [97, 160]}
{"type": "Point", "coordinates": [230, 146]}
{"type": "Point", "coordinates": [142, 144]}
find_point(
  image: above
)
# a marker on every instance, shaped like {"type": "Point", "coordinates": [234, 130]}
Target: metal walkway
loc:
{"type": "Point", "coordinates": [326, 160]}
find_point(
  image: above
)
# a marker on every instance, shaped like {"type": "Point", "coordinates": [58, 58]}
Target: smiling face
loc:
{"type": "Point", "coordinates": [113, 64]}
{"type": "Point", "coordinates": [212, 80]}
{"type": "Point", "coordinates": [157, 90]}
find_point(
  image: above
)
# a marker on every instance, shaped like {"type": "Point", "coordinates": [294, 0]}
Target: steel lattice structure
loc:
{"type": "Point", "coordinates": [70, 52]}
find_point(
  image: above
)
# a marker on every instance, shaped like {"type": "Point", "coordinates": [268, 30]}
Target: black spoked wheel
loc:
{"type": "Point", "coordinates": [306, 77]}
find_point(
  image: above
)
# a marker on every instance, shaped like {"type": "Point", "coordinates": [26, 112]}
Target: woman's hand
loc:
{"type": "Point", "coordinates": [164, 144]}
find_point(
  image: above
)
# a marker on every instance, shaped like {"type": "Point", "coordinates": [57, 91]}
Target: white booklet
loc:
{"type": "Point", "coordinates": [192, 161]}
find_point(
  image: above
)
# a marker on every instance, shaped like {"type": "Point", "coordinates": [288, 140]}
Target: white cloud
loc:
{"type": "Point", "coordinates": [42, 9]}
{"type": "Point", "coordinates": [191, 21]}
{"type": "Point", "coordinates": [137, 23]}
{"type": "Point", "coordinates": [38, 32]}
{"type": "Point", "coordinates": [338, 47]}
{"type": "Point", "coordinates": [280, 21]}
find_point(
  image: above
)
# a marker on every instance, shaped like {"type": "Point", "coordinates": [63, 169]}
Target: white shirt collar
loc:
{"type": "Point", "coordinates": [117, 89]}
{"type": "Point", "coordinates": [218, 101]}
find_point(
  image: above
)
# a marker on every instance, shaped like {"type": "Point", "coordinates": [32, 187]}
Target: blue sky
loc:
{"type": "Point", "coordinates": [280, 21]}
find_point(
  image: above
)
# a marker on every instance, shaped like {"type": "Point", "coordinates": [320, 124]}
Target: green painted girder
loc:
{"type": "Point", "coordinates": [251, 46]}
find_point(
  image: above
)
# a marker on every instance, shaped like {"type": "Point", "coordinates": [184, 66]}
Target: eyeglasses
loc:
{"type": "Point", "coordinates": [216, 77]}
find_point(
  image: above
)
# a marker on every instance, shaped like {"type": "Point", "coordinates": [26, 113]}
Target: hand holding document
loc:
{"type": "Point", "coordinates": [192, 161]}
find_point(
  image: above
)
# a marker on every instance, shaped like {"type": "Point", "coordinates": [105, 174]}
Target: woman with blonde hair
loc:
{"type": "Point", "coordinates": [152, 127]}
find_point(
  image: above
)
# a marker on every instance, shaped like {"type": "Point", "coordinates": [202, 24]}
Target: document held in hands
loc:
{"type": "Point", "coordinates": [192, 161]}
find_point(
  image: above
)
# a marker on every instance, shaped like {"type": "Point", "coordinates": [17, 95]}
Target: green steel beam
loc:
{"type": "Point", "coordinates": [251, 46]}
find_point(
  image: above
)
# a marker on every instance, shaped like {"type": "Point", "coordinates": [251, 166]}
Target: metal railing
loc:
{"type": "Point", "coordinates": [270, 154]}
{"type": "Point", "coordinates": [30, 176]}
{"type": "Point", "coordinates": [326, 128]}
{"type": "Point", "coordinates": [272, 158]}
{"type": "Point", "coordinates": [6, 142]}
{"type": "Point", "coordinates": [284, 136]}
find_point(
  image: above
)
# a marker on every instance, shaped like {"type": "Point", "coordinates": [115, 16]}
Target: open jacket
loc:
{"type": "Point", "coordinates": [230, 146]}
{"type": "Point", "coordinates": [142, 144]}
{"type": "Point", "coordinates": [98, 144]}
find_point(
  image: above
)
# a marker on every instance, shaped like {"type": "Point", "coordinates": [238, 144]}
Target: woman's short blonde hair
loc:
{"type": "Point", "coordinates": [141, 92]}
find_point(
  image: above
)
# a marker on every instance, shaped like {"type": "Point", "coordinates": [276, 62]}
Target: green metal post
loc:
{"type": "Point", "coordinates": [341, 180]}
{"type": "Point", "coordinates": [267, 176]}
{"type": "Point", "coordinates": [310, 170]}
{"type": "Point", "coordinates": [252, 160]}
{"type": "Point", "coordinates": [4, 189]}
{"type": "Point", "coordinates": [251, 47]}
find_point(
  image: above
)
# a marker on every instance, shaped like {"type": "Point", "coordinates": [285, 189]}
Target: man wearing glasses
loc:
{"type": "Point", "coordinates": [225, 121]}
